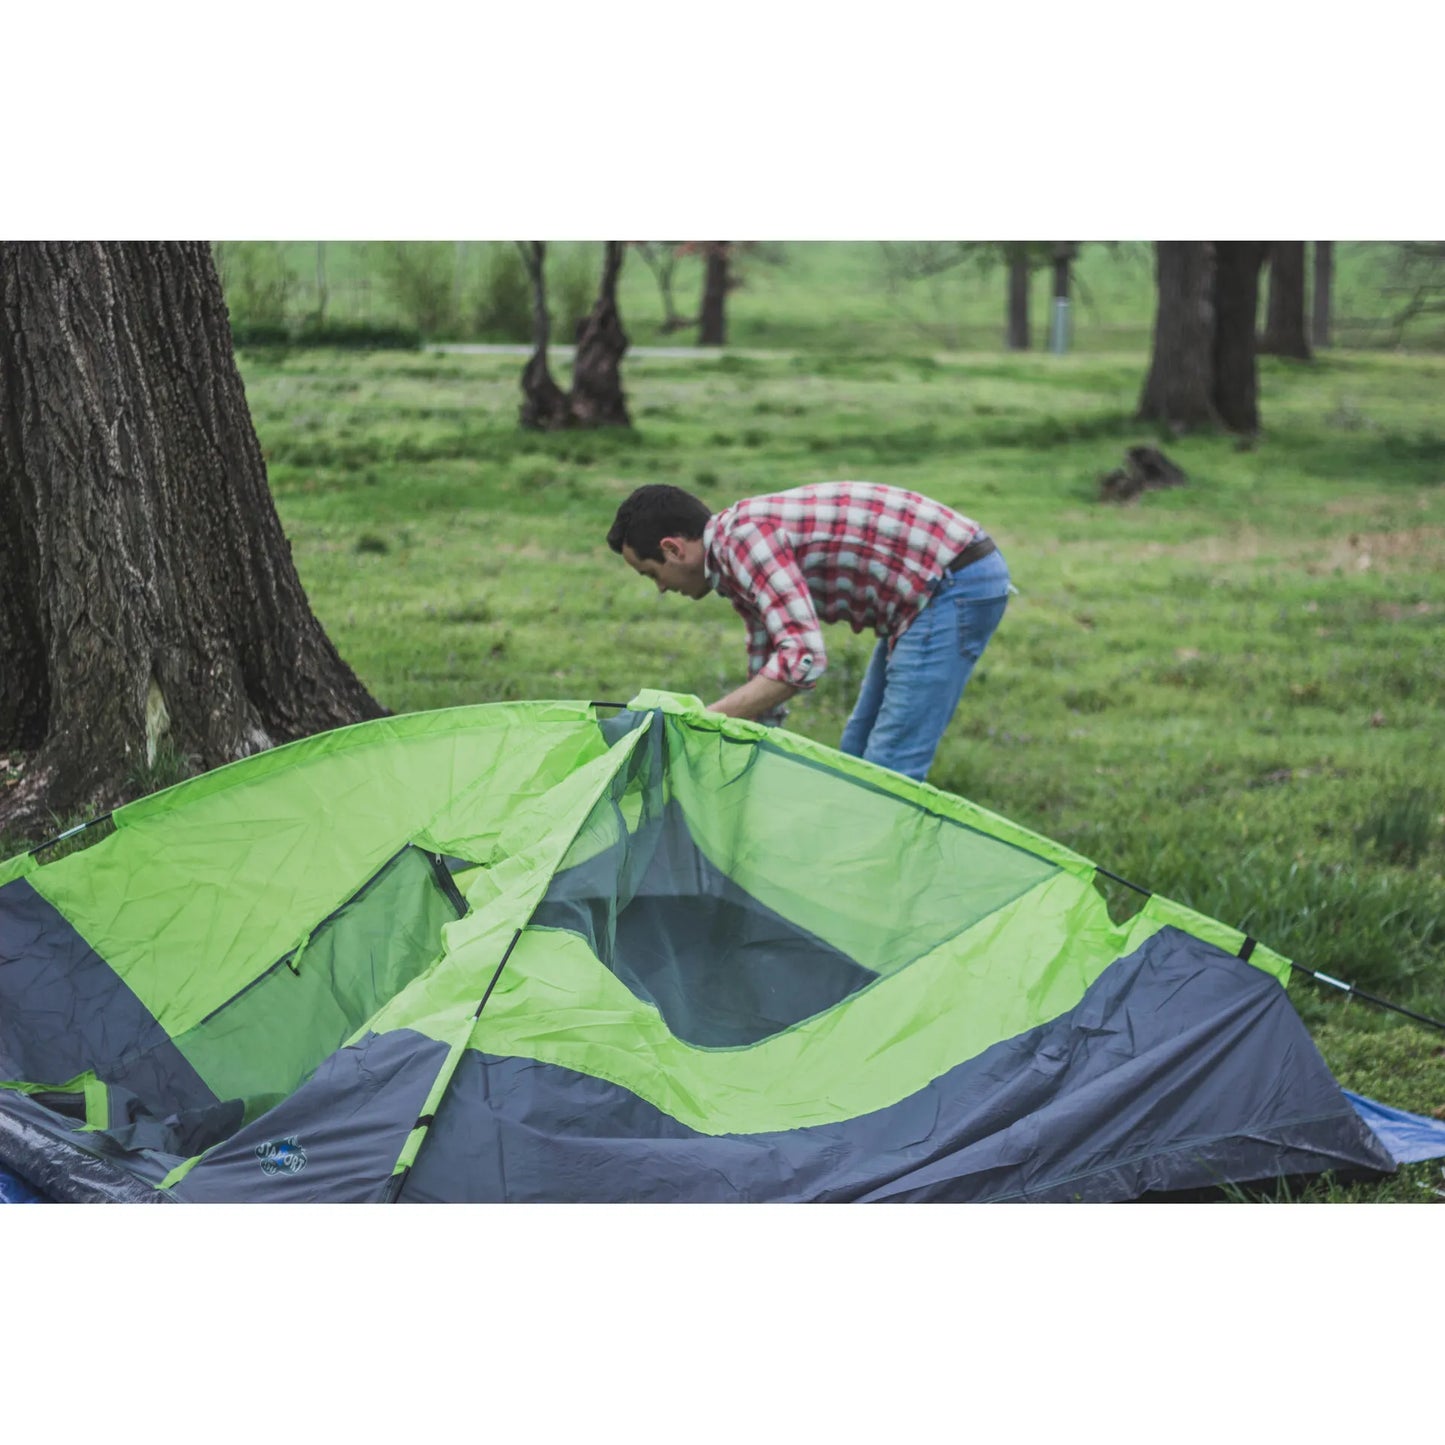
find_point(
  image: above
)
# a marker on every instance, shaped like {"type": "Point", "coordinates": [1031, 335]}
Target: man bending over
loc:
{"type": "Point", "coordinates": [926, 579]}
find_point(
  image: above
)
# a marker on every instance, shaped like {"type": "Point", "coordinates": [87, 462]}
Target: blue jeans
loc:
{"type": "Point", "coordinates": [908, 696]}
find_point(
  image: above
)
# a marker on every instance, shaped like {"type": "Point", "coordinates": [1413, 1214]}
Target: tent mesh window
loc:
{"type": "Point", "coordinates": [710, 884]}
{"type": "Point", "coordinates": [310, 1001]}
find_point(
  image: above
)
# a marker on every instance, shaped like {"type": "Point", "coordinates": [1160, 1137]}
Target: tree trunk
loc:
{"type": "Point", "coordinates": [712, 326]}
{"type": "Point", "coordinates": [1019, 275]}
{"type": "Point", "coordinates": [544, 405]}
{"type": "Point", "coordinates": [1236, 305]}
{"type": "Point", "coordinates": [1324, 293]}
{"type": "Point", "coordinates": [1064, 254]}
{"type": "Point", "coordinates": [1179, 390]}
{"type": "Point", "coordinates": [662, 265]}
{"type": "Point", "coordinates": [147, 593]}
{"type": "Point", "coordinates": [1284, 327]}
{"type": "Point", "coordinates": [1060, 322]}
{"type": "Point", "coordinates": [596, 398]}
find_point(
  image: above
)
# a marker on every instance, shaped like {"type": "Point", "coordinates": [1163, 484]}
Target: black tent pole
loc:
{"type": "Point", "coordinates": [69, 833]}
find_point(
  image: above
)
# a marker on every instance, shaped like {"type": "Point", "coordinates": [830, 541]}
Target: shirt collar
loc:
{"type": "Point", "coordinates": [711, 571]}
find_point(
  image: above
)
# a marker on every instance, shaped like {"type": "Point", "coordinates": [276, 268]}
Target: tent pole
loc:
{"type": "Point", "coordinates": [69, 833]}
{"type": "Point", "coordinates": [1309, 972]}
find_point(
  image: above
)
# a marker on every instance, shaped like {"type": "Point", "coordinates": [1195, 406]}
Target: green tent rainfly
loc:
{"type": "Point", "coordinates": [545, 951]}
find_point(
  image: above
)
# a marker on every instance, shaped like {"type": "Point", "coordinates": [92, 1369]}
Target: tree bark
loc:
{"type": "Point", "coordinates": [712, 325]}
{"type": "Point", "coordinates": [1179, 390]}
{"type": "Point", "coordinates": [147, 593]}
{"type": "Point", "coordinates": [1019, 275]}
{"type": "Point", "coordinates": [1324, 293]}
{"type": "Point", "coordinates": [596, 398]}
{"type": "Point", "coordinates": [1284, 328]}
{"type": "Point", "coordinates": [544, 404]}
{"type": "Point", "coordinates": [1236, 306]}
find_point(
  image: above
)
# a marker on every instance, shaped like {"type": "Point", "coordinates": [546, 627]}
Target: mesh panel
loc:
{"type": "Point", "coordinates": [742, 890]}
{"type": "Point", "coordinates": [261, 1044]}
{"type": "Point", "coordinates": [723, 969]}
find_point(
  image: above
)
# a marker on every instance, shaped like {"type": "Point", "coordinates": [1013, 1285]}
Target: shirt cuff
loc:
{"type": "Point", "coordinates": [800, 667]}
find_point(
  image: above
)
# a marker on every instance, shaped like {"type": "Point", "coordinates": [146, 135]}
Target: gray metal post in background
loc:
{"type": "Point", "coordinates": [1059, 325]}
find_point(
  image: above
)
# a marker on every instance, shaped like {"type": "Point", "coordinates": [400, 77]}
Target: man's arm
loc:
{"type": "Point", "coordinates": [786, 655]}
{"type": "Point", "coordinates": [755, 698]}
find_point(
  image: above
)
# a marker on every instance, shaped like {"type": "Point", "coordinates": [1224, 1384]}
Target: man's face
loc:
{"type": "Point", "coordinates": [682, 568]}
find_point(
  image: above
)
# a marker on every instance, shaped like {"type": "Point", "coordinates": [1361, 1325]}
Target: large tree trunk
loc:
{"type": "Point", "coordinates": [1284, 327]}
{"type": "Point", "coordinates": [1019, 275]}
{"type": "Point", "coordinates": [597, 398]}
{"type": "Point", "coordinates": [1179, 390]}
{"type": "Point", "coordinates": [544, 405]}
{"type": "Point", "coordinates": [1324, 293]}
{"type": "Point", "coordinates": [712, 322]}
{"type": "Point", "coordinates": [1236, 305]}
{"type": "Point", "coordinates": [147, 593]}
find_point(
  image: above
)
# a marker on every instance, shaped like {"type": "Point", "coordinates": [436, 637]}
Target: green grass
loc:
{"type": "Point", "coordinates": [1230, 693]}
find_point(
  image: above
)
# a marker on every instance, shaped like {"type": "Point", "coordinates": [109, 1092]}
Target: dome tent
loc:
{"type": "Point", "coordinates": [526, 951]}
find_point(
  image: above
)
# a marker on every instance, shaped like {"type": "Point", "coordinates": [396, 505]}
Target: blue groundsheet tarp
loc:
{"type": "Point", "coordinates": [14, 1190]}
{"type": "Point", "coordinates": [1410, 1138]}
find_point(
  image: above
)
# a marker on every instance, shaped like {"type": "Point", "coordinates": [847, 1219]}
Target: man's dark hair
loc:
{"type": "Point", "coordinates": [652, 513]}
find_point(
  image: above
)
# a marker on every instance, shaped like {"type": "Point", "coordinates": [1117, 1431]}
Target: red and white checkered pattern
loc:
{"type": "Point", "coordinates": [840, 551]}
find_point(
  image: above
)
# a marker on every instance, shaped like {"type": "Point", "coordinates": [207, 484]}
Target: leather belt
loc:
{"type": "Point", "coordinates": [981, 546]}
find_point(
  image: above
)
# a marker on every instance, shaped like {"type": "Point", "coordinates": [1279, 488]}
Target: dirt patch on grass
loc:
{"type": "Point", "coordinates": [1396, 612]}
{"type": "Point", "coordinates": [1411, 549]}
{"type": "Point", "coordinates": [1381, 551]}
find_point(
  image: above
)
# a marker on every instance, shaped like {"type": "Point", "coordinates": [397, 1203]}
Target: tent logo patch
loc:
{"type": "Point", "coordinates": [282, 1156]}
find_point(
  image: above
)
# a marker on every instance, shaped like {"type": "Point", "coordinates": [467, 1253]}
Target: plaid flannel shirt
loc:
{"type": "Point", "coordinates": [840, 551]}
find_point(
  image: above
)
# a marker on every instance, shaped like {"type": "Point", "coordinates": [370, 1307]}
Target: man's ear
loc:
{"type": "Point", "coordinates": [671, 549]}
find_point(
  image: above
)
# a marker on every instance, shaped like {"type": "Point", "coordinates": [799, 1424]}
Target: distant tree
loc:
{"type": "Point", "coordinates": [596, 397]}
{"type": "Point", "coordinates": [661, 258]}
{"type": "Point", "coordinates": [544, 403]}
{"type": "Point", "coordinates": [1323, 293]}
{"type": "Point", "coordinates": [712, 314]}
{"type": "Point", "coordinates": [1284, 328]}
{"type": "Point", "coordinates": [1203, 372]}
{"type": "Point", "coordinates": [1020, 273]}
{"type": "Point", "coordinates": [419, 277]}
{"type": "Point", "coordinates": [1417, 278]}
{"type": "Point", "coordinates": [1179, 389]}
{"type": "Point", "coordinates": [148, 600]}
{"type": "Point", "coordinates": [907, 263]}
{"type": "Point", "coordinates": [1236, 306]}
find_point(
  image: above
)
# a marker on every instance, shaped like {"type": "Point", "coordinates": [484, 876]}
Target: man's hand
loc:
{"type": "Point", "coordinates": [755, 699]}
